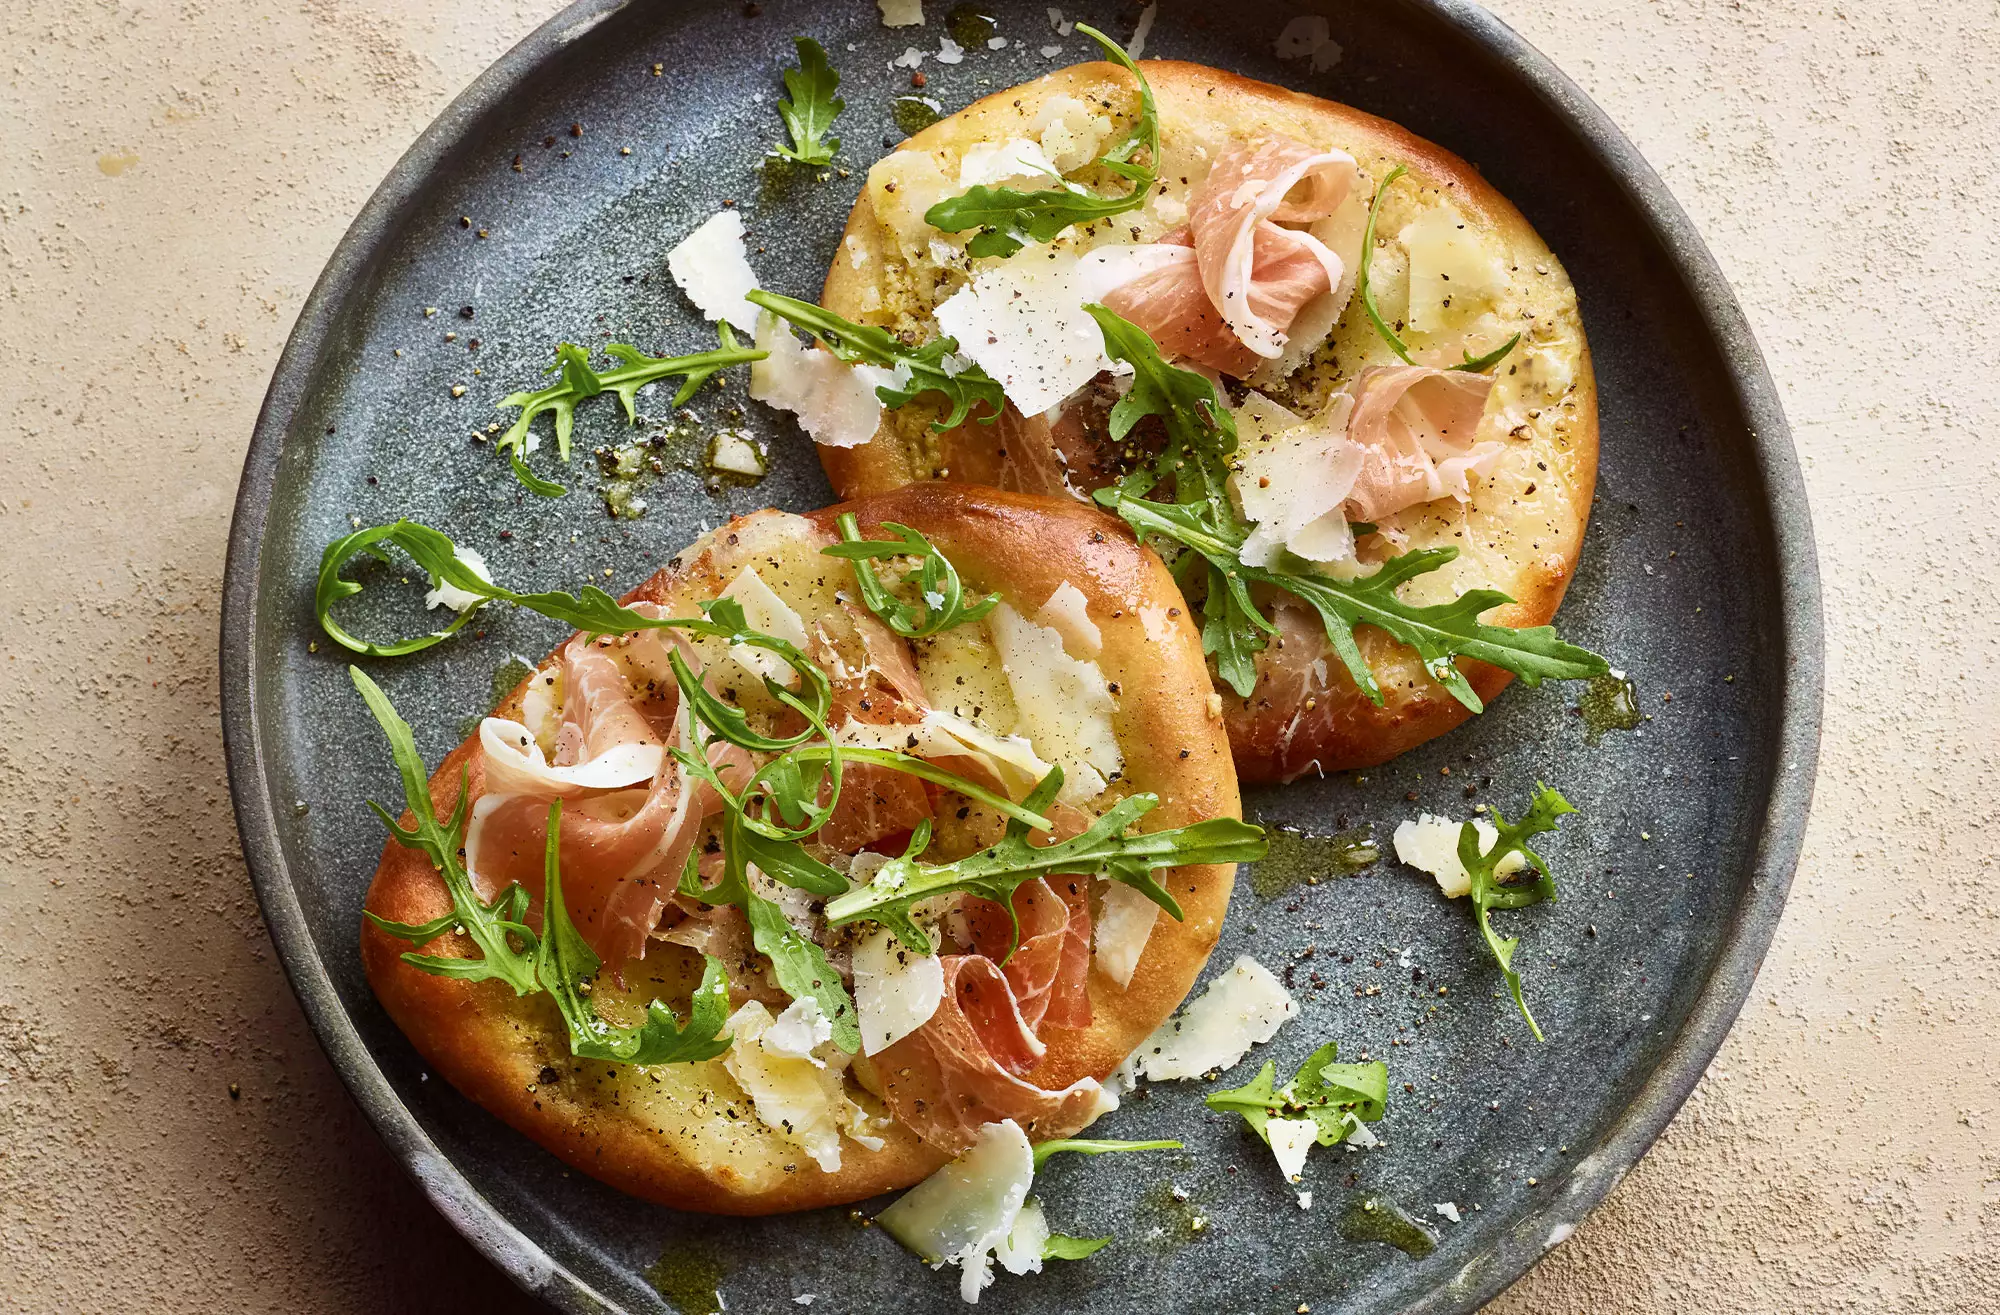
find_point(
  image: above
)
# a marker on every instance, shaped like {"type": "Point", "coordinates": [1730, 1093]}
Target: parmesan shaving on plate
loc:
{"type": "Point", "coordinates": [1023, 320]}
{"type": "Point", "coordinates": [1290, 1140]}
{"type": "Point", "coordinates": [1020, 1252]}
{"type": "Point", "coordinates": [711, 266]}
{"type": "Point", "coordinates": [901, 13]}
{"type": "Point", "coordinates": [967, 1210]}
{"type": "Point", "coordinates": [1122, 929]}
{"type": "Point", "coordinates": [1243, 1007]}
{"type": "Point", "coordinates": [450, 595]}
{"type": "Point", "coordinates": [835, 402]}
{"type": "Point", "coordinates": [1430, 844]}
{"type": "Point", "coordinates": [770, 614]}
{"type": "Point", "coordinates": [1065, 704]}
{"type": "Point", "coordinates": [1309, 37]}
{"type": "Point", "coordinates": [896, 990]}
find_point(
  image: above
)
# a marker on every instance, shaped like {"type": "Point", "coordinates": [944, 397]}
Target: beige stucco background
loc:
{"type": "Point", "coordinates": [174, 173]}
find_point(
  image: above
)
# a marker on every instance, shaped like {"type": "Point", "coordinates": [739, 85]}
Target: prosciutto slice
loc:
{"type": "Point", "coordinates": [1415, 426]}
{"type": "Point", "coordinates": [1229, 302]}
{"type": "Point", "coordinates": [1049, 969]}
{"type": "Point", "coordinates": [961, 1070]}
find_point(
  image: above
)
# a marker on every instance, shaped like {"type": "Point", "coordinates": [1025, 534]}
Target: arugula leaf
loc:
{"type": "Point", "coordinates": [1338, 1098]}
{"type": "Point", "coordinates": [436, 554]}
{"type": "Point", "coordinates": [1472, 364]}
{"type": "Point", "coordinates": [1096, 1146]}
{"type": "Point", "coordinates": [578, 382]}
{"type": "Point", "coordinates": [564, 960]}
{"type": "Point", "coordinates": [1488, 891]}
{"type": "Point", "coordinates": [510, 951]}
{"type": "Point", "coordinates": [919, 370]}
{"type": "Point", "coordinates": [1201, 435]}
{"type": "Point", "coordinates": [1008, 219]}
{"type": "Point", "coordinates": [937, 581]}
{"type": "Point", "coordinates": [1061, 1246]}
{"type": "Point", "coordinates": [1439, 633]}
{"type": "Point", "coordinates": [812, 108]}
{"type": "Point", "coordinates": [995, 872]}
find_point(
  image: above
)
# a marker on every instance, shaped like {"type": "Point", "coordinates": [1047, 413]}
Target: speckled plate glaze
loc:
{"type": "Point", "coordinates": [1698, 578]}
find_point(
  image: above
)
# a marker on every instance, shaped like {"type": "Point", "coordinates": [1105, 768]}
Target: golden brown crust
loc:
{"type": "Point", "coordinates": [1541, 529]}
{"type": "Point", "coordinates": [508, 1054]}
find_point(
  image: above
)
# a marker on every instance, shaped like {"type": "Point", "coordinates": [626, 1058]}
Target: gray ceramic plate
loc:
{"type": "Point", "coordinates": [1698, 578]}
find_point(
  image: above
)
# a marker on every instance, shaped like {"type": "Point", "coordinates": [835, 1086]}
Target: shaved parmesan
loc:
{"type": "Point", "coordinates": [1243, 1007]}
{"type": "Point", "coordinates": [799, 1031]}
{"type": "Point", "coordinates": [835, 402]}
{"type": "Point", "coordinates": [1454, 272]}
{"type": "Point", "coordinates": [712, 267]}
{"type": "Point", "coordinates": [967, 1210]}
{"type": "Point", "coordinates": [1136, 47]}
{"type": "Point", "coordinates": [1290, 1140]}
{"type": "Point", "coordinates": [1430, 844]}
{"type": "Point", "coordinates": [734, 454]}
{"type": "Point", "coordinates": [1122, 930]}
{"type": "Point", "coordinates": [947, 735]}
{"type": "Point", "coordinates": [1292, 477]}
{"type": "Point", "coordinates": [515, 764]}
{"type": "Point", "coordinates": [767, 612]}
{"type": "Point", "coordinates": [1021, 1251]}
{"type": "Point", "coordinates": [801, 1099]}
{"type": "Point", "coordinates": [1068, 613]}
{"type": "Point", "coordinates": [540, 704]}
{"type": "Point", "coordinates": [1309, 37]}
{"type": "Point", "coordinates": [1065, 703]}
{"type": "Point", "coordinates": [1023, 320]}
{"type": "Point", "coordinates": [896, 990]}
{"type": "Point", "coordinates": [901, 13]}
{"type": "Point", "coordinates": [450, 595]}
{"type": "Point", "coordinates": [991, 162]}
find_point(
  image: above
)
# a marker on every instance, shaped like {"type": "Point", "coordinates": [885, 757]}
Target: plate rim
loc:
{"type": "Point", "coordinates": [1661, 1093]}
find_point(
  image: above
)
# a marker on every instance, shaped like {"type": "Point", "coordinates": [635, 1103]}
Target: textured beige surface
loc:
{"type": "Point", "coordinates": [172, 178]}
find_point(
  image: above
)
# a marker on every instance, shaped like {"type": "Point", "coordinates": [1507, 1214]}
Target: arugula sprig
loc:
{"type": "Point", "coordinates": [812, 108]}
{"type": "Point", "coordinates": [1489, 892]}
{"type": "Point", "coordinates": [919, 370]}
{"type": "Point", "coordinates": [1201, 437]}
{"type": "Point", "coordinates": [944, 604]}
{"type": "Point", "coordinates": [1338, 1098]}
{"type": "Point", "coordinates": [1472, 364]}
{"type": "Point", "coordinates": [1008, 219]}
{"type": "Point", "coordinates": [558, 960]}
{"type": "Point", "coordinates": [578, 382]}
{"type": "Point", "coordinates": [997, 871]}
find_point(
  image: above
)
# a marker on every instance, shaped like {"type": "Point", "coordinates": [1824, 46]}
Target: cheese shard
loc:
{"type": "Point", "coordinates": [997, 162]}
{"type": "Point", "coordinates": [1455, 273]}
{"type": "Point", "coordinates": [803, 1100]}
{"type": "Point", "coordinates": [1068, 613]}
{"type": "Point", "coordinates": [772, 615]}
{"type": "Point", "coordinates": [1121, 931]}
{"type": "Point", "coordinates": [1245, 1006]}
{"type": "Point", "coordinates": [1290, 1140]}
{"type": "Point", "coordinates": [711, 266]}
{"type": "Point", "coordinates": [964, 1212]}
{"type": "Point", "coordinates": [1023, 320]}
{"type": "Point", "coordinates": [1292, 476]}
{"type": "Point", "coordinates": [896, 990]}
{"type": "Point", "coordinates": [450, 595]}
{"type": "Point", "coordinates": [1021, 1251]}
{"type": "Point", "coordinates": [901, 13]}
{"type": "Point", "coordinates": [800, 1030]}
{"type": "Point", "coordinates": [1064, 704]}
{"type": "Point", "coordinates": [1430, 844]}
{"type": "Point", "coordinates": [836, 403]}
{"type": "Point", "coordinates": [942, 734]}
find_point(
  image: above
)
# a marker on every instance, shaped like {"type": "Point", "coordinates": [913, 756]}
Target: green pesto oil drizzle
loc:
{"type": "Point", "coordinates": [1299, 858]}
{"type": "Point", "coordinates": [970, 26]}
{"type": "Point", "coordinates": [913, 114]}
{"type": "Point", "coordinates": [689, 1280]}
{"type": "Point", "coordinates": [1609, 703]}
{"type": "Point", "coordinates": [1372, 1219]}
{"type": "Point", "coordinates": [1173, 1216]}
